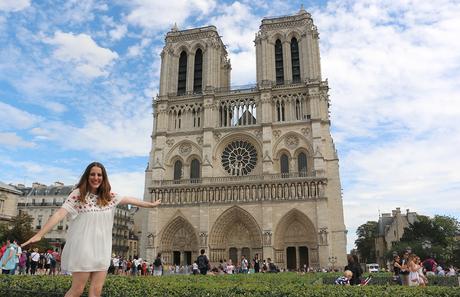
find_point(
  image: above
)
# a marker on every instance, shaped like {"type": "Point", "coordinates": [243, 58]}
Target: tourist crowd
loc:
{"type": "Point", "coordinates": [408, 269]}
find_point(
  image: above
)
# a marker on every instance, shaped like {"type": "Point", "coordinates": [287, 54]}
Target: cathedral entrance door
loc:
{"type": "Point", "coordinates": [233, 255]}
{"type": "Point", "coordinates": [188, 258]}
{"type": "Point", "coordinates": [176, 258]}
{"type": "Point", "coordinates": [291, 258]}
{"type": "Point", "coordinates": [303, 257]}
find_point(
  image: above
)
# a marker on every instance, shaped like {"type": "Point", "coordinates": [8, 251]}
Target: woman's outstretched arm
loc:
{"type": "Point", "coordinates": [55, 218]}
{"type": "Point", "coordinates": [140, 203]}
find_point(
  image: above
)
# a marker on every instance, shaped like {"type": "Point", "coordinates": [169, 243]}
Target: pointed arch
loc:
{"type": "Point", "coordinates": [231, 217]}
{"type": "Point", "coordinates": [295, 227]}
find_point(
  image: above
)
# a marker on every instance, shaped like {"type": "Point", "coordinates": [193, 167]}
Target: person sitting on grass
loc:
{"type": "Point", "coordinates": [345, 279]}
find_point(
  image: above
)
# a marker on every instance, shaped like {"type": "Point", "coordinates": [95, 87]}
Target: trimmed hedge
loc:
{"type": "Point", "coordinates": [260, 285]}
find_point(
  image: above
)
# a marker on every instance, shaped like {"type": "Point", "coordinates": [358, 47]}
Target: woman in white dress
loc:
{"type": "Point", "coordinates": [91, 208]}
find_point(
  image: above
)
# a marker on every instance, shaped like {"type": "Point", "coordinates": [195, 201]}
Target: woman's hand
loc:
{"type": "Point", "coordinates": [33, 239]}
{"type": "Point", "coordinates": [156, 203]}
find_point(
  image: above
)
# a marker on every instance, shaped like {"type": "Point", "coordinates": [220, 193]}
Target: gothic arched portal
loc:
{"type": "Point", "coordinates": [179, 243]}
{"type": "Point", "coordinates": [295, 241]}
{"type": "Point", "coordinates": [235, 233]}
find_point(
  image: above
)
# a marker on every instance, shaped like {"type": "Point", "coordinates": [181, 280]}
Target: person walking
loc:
{"type": "Point", "coordinates": [158, 265]}
{"type": "Point", "coordinates": [256, 263]}
{"type": "Point", "coordinates": [203, 263]}
{"type": "Point", "coordinates": [91, 208]}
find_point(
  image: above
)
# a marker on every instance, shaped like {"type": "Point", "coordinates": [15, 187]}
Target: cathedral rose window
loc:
{"type": "Point", "coordinates": [239, 158]}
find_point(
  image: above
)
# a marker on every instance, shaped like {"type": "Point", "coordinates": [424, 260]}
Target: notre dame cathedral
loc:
{"type": "Point", "coordinates": [244, 171]}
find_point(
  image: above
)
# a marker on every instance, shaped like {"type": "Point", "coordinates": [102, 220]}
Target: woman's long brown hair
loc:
{"type": "Point", "coordinates": [103, 192]}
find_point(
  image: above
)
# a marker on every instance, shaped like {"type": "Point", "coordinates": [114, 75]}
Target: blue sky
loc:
{"type": "Point", "coordinates": [77, 80]}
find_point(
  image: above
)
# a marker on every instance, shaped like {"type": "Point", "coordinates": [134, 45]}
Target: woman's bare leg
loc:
{"type": "Point", "coordinates": [97, 282]}
{"type": "Point", "coordinates": [79, 280]}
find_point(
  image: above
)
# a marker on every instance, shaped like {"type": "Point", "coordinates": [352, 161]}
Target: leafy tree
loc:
{"type": "Point", "coordinates": [20, 228]}
{"type": "Point", "coordinates": [431, 237]}
{"type": "Point", "coordinates": [365, 244]}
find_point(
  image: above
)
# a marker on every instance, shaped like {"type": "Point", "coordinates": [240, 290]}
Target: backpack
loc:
{"type": "Point", "coordinates": [202, 262]}
{"type": "Point", "coordinates": [157, 262]}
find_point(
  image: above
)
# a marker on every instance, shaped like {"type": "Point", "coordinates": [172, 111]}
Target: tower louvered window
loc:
{"type": "Point", "coordinates": [279, 62]}
{"type": "Point", "coordinates": [198, 73]}
{"type": "Point", "coordinates": [295, 60]}
{"type": "Point", "coordinates": [182, 77]}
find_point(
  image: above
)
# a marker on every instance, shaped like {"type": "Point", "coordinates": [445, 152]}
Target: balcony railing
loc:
{"type": "Point", "coordinates": [234, 179]}
{"type": "Point", "coordinates": [275, 187]}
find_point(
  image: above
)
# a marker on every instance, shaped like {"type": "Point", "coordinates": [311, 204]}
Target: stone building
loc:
{"type": "Point", "coordinates": [8, 202]}
{"type": "Point", "coordinates": [41, 201]}
{"type": "Point", "coordinates": [390, 230]}
{"type": "Point", "coordinates": [244, 171]}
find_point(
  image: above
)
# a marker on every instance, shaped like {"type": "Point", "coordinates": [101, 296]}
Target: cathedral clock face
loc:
{"type": "Point", "coordinates": [239, 158]}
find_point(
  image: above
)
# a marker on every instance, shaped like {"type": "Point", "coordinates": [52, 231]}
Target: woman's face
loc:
{"type": "Point", "coordinates": [95, 179]}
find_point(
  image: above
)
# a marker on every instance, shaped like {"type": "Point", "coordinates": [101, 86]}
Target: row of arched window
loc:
{"type": "Point", "coordinates": [197, 72]}
{"type": "Point", "coordinates": [301, 165]}
{"type": "Point", "coordinates": [279, 61]}
{"type": "Point", "coordinates": [194, 170]}
{"type": "Point", "coordinates": [284, 167]}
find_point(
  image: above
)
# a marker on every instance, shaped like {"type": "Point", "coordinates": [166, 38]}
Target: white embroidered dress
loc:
{"type": "Point", "coordinates": [88, 244]}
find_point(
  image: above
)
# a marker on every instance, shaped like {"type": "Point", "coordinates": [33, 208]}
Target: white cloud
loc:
{"type": "Point", "coordinates": [158, 14]}
{"type": "Point", "coordinates": [89, 58]}
{"type": "Point", "coordinates": [128, 183]}
{"type": "Point", "coordinates": [12, 140]}
{"type": "Point", "coordinates": [14, 5]}
{"type": "Point", "coordinates": [119, 32]}
{"type": "Point", "coordinates": [237, 25]}
{"type": "Point", "coordinates": [14, 118]}
{"type": "Point", "coordinates": [393, 72]}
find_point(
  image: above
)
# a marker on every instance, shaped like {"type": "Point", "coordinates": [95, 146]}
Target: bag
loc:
{"type": "Point", "coordinates": [157, 262]}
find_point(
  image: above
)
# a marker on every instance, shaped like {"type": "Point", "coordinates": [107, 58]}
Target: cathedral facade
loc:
{"type": "Point", "coordinates": [244, 171]}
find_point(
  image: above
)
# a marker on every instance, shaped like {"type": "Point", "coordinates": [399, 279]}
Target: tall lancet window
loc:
{"type": "Point", "coordinates": [295, 60]}
{"type": "Point", "coordinates": [182, 77]}
{"type": "Point", "coordinates": [177, 171]}
{"type": "Point", "coordinates": [279, 62]}
{"type": "Point", "coordinates": [284, 160]}
{"type": "Point", "coordinates": [198, 73]}
{"type": "Point", "coordinates": [194, 170]}
{"type": "Point", "coordinates": [302, 164]}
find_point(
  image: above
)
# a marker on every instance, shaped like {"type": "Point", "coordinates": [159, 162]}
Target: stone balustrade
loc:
{"type": "Point", "coordinates": [245, 189]}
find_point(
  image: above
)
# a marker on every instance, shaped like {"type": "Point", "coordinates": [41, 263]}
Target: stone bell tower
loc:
{"type": "Point", "coordinates": [244, 171]}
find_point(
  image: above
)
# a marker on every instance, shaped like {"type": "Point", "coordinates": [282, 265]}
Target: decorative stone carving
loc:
{"type": "Point", "coordinates": [305, 131]}
{"type": "Point", "coordinates": [170, 141]}
{"type": "Point", "coordinates": [267, 156]}
{"type": "Point", "coordinates": [258, 133]}
{"type": "Point", "coordinates": [203, 239]}
{"type": "Point", "coordinates": [216, 135]}
{"type": "Point", "coordinates": [199, 140]}
{"type": "Point", "coordinates": [185, 149]}
{"type": "Point", "coordinates": [150, 240]}
{"type": "Point", "coordinates": [291, 141]}
{"type": "Point", "coordinates": [276, 133]}
{"type": "Point", "coordinates": [318, 153]}
{"type": "Point", "coordinates": [268, 238]}
{"type": "Point", "coordinates": [322, 236]}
